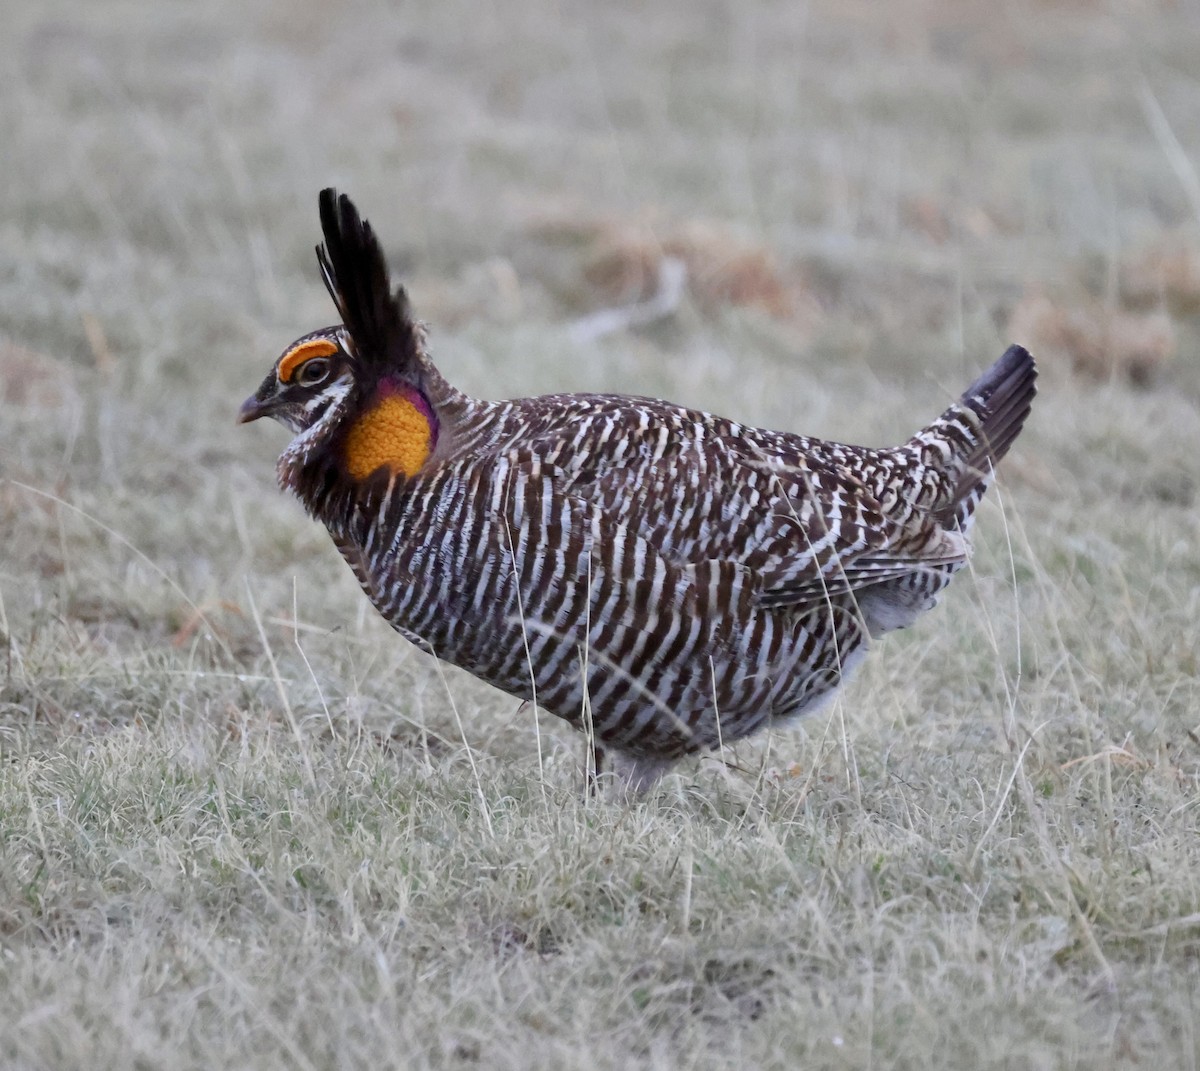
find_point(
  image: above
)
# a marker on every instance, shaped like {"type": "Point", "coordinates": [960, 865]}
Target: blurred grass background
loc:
{"type": "Point", "coordinates": [242, 824]}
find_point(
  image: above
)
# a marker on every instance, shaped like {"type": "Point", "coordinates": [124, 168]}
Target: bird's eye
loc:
{"type": "Point", "coordinates": [312, 372]}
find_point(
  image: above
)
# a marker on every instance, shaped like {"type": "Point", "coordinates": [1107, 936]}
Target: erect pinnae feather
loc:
{"type": "Point", "coordinates": [356, 276]}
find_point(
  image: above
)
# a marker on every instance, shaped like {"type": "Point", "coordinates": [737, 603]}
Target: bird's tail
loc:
{"type": "Point", "coordinates": [979, 429]}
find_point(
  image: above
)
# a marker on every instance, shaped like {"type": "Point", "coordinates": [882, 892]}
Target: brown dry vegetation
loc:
{"type": "Point", "coordinates": [244, 825]}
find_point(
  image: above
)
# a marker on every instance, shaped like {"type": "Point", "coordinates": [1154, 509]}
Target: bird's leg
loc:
{"type": "Point", "coordinates": [635, 775]}
{"type": "Point", "coordinates": [594, 766]}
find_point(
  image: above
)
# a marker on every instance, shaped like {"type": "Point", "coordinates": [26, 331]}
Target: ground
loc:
{"type": "Point", "coordinates": [242, 824]}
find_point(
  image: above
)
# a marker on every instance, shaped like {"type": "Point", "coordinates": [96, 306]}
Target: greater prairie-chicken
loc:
{"type": "Point", "coordinates": [663, 578]}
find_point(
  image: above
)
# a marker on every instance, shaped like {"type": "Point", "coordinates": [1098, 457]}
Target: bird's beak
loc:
{"type": "Point", "coordinates": [252, 408]}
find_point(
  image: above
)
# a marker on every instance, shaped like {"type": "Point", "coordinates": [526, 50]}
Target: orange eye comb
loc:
{"type": "Point", "coordinates": [305, 351]}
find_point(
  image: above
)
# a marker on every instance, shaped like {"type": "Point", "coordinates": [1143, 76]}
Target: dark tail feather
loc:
{"type": "Point", "coordinates": [1002, 397]}
{"type": "Point", "coordinates": [356, 276]}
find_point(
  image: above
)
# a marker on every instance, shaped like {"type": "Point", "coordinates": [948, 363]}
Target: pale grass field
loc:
{"type": "Point", "coordinates": [243, 825]}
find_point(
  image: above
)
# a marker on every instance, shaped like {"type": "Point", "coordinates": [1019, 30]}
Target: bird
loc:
{"type": "Point", "coordinates": [664, 579]}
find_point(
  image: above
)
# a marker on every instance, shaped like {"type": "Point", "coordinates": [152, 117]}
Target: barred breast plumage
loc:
{"type": "Point", "coordinates": [668, 579]}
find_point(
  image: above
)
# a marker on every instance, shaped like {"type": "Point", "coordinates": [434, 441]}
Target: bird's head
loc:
{"type": "Point", "coordinates": [353, 394]}
{"type": "Point", "coordinates": [314, 374]}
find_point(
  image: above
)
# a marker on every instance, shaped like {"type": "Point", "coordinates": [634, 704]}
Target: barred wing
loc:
{"type": "Point", "coordinates": [808, 529]}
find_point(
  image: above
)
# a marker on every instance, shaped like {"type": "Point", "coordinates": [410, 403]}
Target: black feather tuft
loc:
{"type": "Point", "coordinates": [356, 276]}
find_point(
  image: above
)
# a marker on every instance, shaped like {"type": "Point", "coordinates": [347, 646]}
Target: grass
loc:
{"type": "Point", "coordinates": [244, 825]}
